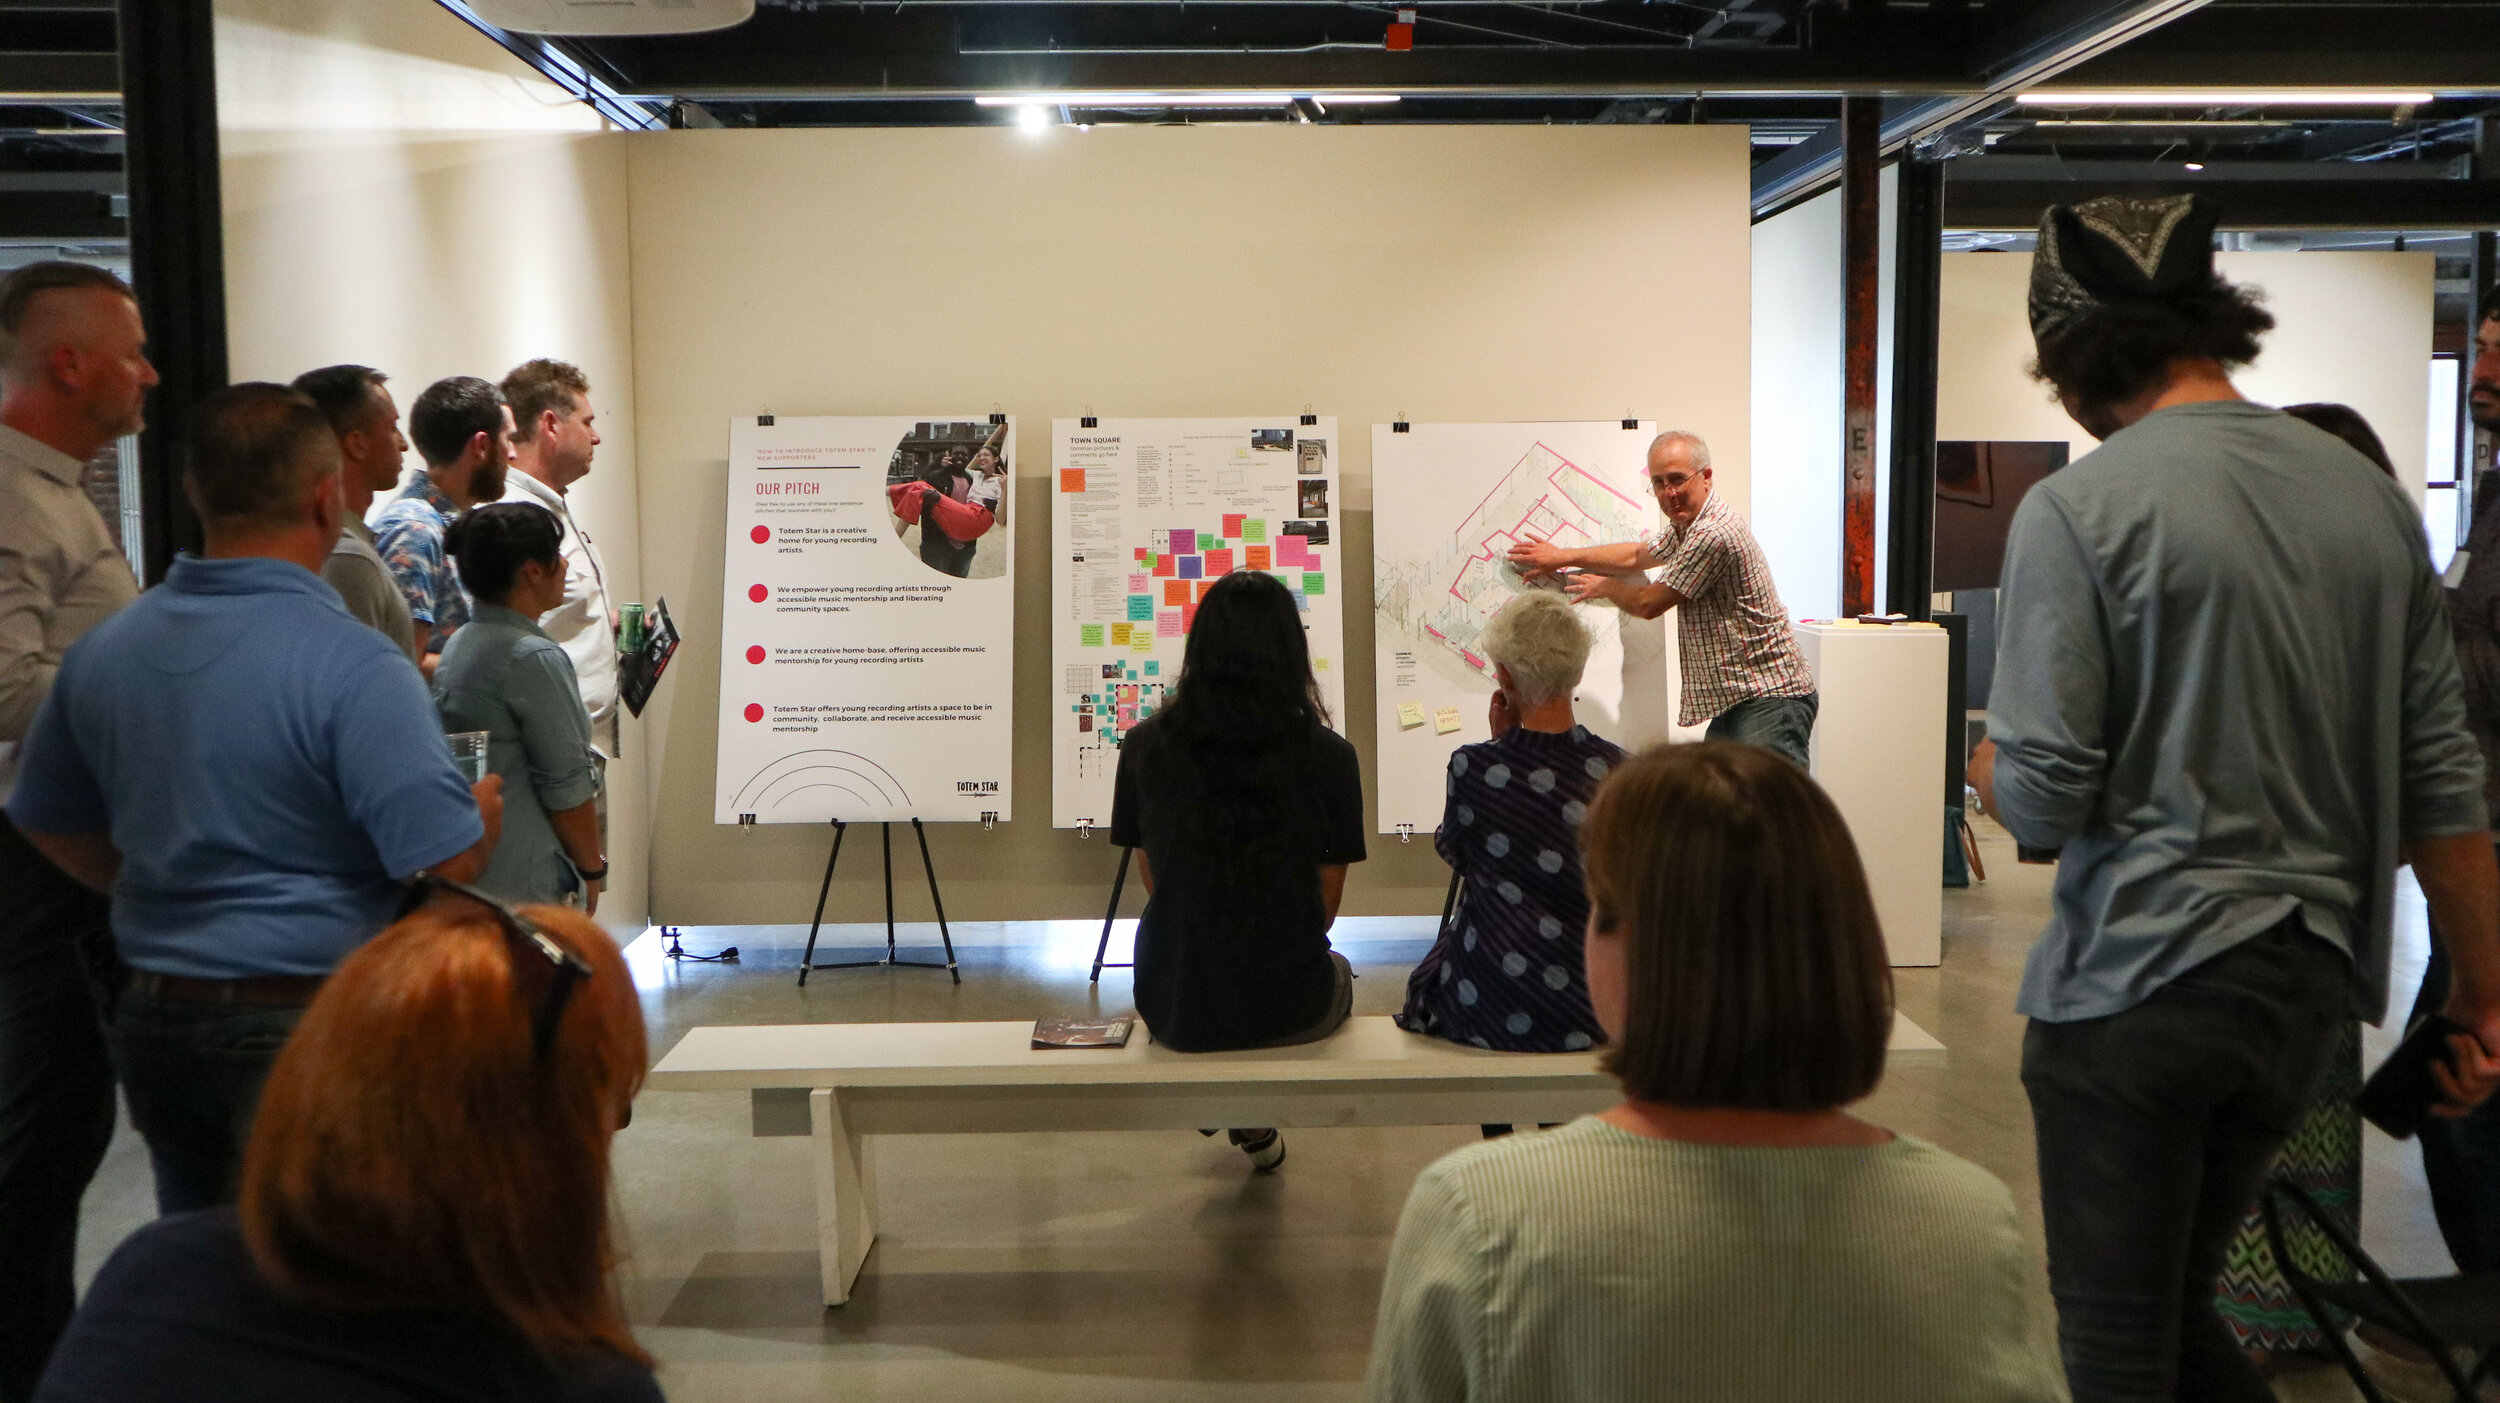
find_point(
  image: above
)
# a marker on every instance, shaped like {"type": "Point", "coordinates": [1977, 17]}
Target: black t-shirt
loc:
{"type": "Point", "coordinates": [1235, 964]}
{"type": "Point", "coordinates": [180, 1312]}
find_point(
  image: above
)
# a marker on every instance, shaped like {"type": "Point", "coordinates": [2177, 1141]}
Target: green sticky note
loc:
{"type": "Point", "coordinates": [1254, 529]}
{"type": "Point", "coordinates": [1208, 543]}
{"type": "Point", "coordinates": [1314, 584]}
{"type": "Point", "coordinates": [1154, 669]}
{"type": "Point", "coordinates": [1141, 608]}
{"type": "Point", "coordinates": [1089, 635]}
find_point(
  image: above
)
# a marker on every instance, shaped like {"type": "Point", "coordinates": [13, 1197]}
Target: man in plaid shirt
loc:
{"type": "Point", "coordinates": [1743, 671]}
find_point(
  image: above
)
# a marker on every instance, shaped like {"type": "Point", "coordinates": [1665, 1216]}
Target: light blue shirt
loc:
{"type": "Point", "coordinates": [2225, 688]}
{"type": "Point", "coordinates": [266, 765]}
{"type": "Point", "coordinates": [503, 675]}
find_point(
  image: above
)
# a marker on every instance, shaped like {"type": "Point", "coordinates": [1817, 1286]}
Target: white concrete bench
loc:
{"type": "Point", "coordinates": [868, 1079]}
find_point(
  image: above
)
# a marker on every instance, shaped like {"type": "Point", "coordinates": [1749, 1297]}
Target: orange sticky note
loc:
{"type": "Point", "coordinates": [1071, 479]}
{"type": "Point", "coordinates": [1257, 557]}
{"type": "Point", "coordinates": [1175, 593]}
{"type": "Point", "coordinates": [1203, 587]}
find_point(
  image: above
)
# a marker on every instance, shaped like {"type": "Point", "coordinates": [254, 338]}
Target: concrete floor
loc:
{"type": "Point", "coordinates": [1049, 1267]}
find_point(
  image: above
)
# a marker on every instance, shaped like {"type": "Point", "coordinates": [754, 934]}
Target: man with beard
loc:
{"type": "Point", "coordinates": [463, 431]}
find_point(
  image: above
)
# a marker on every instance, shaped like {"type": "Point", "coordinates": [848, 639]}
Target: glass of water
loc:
{"type": "Point", "coordinates": [468, 751]}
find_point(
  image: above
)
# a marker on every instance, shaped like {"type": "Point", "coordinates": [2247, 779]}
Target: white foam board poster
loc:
{"type": "Point", "coordinates": [1147, 514]}
{"type": "Point", "coordinates": [1451, 499]}
{"type": "Point", "coordinates": [867, 620]}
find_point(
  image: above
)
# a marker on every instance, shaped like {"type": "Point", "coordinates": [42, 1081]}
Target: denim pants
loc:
{"type": "Point", "coordinates": [56, 1096]}
{"type": "Point", "coordinates": [2461, 1157]}
{"type": "Point", "coordinates": [192, 1073]}
{"type": "Point", "coordinates": [2155, 1129]}
{"type": "Point", "coordinates": [1782, 724]}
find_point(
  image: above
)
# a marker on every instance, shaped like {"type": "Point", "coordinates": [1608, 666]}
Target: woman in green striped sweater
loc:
{"type": "Point", "coordinates": [1728, 1233]}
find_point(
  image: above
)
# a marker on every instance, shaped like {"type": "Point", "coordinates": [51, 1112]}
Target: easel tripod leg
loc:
{"type": "Point", "coordinates": [1118, 881]}
{"type": "Point", "coordinates": [935, 901]}
{"type": "Point", "coordinates": [808, 960]}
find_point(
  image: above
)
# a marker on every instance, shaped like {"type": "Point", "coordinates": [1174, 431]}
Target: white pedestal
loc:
{"type": "Point", "coordinates": [1879, 752]}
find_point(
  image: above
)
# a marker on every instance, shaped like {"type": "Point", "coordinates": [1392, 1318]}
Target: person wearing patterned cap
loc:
{"type": "Point", "coordinates": [2227, 696]}
{"type": "Point", "coordinates": [1743, 672]}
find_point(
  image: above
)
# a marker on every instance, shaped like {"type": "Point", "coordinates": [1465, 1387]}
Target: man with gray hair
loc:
{"type": "Point", "coordinates": [74, 376]}
{"type": "Point", "coordinates": [250, 773]}
{"type": "Point", "coordinates": [1743, 671]}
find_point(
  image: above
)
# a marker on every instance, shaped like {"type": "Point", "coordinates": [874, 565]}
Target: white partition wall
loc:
{"type": "Point", "coordinates": [1879, 752]}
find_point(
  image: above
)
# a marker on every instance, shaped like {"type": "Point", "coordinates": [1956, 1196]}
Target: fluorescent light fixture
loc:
{"type": "Point", "coordinates": [1116, 99]}
{"type": "Point", "coordinates": [1033, 119]}
{"type": "Point", "coordinates": [2160, 123]}
{"type": "Point", "coordinates": [2224, 97]}
{"type": "Point", "coordinates": [1354, 98]}
{"type": "Point", "coordinates": [2196, 165]}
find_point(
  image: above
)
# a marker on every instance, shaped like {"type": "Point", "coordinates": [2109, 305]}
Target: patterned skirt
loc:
{"type": "Point", "coordinates": [2324, 1157]}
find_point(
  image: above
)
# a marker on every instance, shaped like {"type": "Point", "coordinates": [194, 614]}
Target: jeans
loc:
{"type": "Point", "coordinates": [2155, 1129]}
{"type": "Point", "coordinates": [56, 1096]}
{"type": "Point", "coordinates": [192, 1073]}
{"type": "Point", "coordinates": [1782, 724]}
{"type": "Point", "coordinates": [2461, 1157]}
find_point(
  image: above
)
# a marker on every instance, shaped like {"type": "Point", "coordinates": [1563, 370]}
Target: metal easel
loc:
{"type": "Point", "coordinates": [1109, 913]}
{"type": "Point", "coordinates": [885, 831]}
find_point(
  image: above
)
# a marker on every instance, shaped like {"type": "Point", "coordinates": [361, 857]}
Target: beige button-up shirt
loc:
{"type": "Point", "coordinates": [61, 574]}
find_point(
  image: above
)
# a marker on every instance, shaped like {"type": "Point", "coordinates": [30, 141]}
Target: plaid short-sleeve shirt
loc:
{"type": "Point", "coordinates": [1732, 631]}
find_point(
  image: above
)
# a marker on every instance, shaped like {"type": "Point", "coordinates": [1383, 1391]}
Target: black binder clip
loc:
{"type": "Point", "coordinates": [763, 421]}
{"type": "Point", "coordinates": [1088, 422]}
{"type": "Point", "coordinates": [1310, 421]}
{"type": "Point", "coordinates": [1630, 425]}
{"type": "Point", "coordinates": [998, 418]}
{"type": "Point", "coordinates": [1399, 426]}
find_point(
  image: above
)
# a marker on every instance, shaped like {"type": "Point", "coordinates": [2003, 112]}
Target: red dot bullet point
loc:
{"type": "Point", "coordinates": [755, 711]}
{"type": "Point", "coordinates": [758, 593]}
{"type": "Point", "coordinates": [756, 653]}
{"type": "Point", "coordinates": [763, 534]}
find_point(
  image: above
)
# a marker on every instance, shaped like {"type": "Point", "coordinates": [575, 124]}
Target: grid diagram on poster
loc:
{"type": "Point", "coordinates": [1147, 514]}
{"type": "Point", "coordinates": [867, 620]}
{"type": "Point", "coordinates": [1464, 494]}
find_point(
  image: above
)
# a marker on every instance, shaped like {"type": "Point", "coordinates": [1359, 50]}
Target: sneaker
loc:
{"type": "Point", "coordinates": [1266, 1148]}
{"type": "Point", "coordinates": [2409, 1380]}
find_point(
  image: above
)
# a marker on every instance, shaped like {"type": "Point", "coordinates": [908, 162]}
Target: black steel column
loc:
{"type": "Point", "coordinates": [1861, 231]}
{"type": "Point", "coordinates": [177, 243]}
{"type": "Point", "coordinates": [1917, 286]}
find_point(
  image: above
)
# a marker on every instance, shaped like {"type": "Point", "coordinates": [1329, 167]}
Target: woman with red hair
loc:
{"type": "Point", "coordinates": [424, 1204]}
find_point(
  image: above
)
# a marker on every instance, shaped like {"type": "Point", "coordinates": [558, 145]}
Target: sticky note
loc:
{"type": "Point", "coordinates": [1207, 542]}
{"type": "Point", "coordinates": [1071, 479]}
{"type": "Point", "coordinates": [1189, 617]}
{"type": "Point", "coordinates": [1319, 664]}
{"type": "Point", "coordinates": [1232, 523]}
{"type": "Point", "coordinates": [1140, 607]}
{"type": "Point", "coordinates": [1219, 562]}
{"type": "Point", "coordinates": [1257, 557]}
{"type": "Point", "coordinates": [1089, 635]}
{"type": "Point", "coordinates": [1291, 553]}
{"type": "Point", "coordinates": [1119, 635]}
{"type": "Point", "coordinates": [1410, 715]}
{"type": "Point", "coordinates": [1163, 566]}
{"type": "Point", "coordinates": [1175, 593]}
{"type": "Point", "coordinates": [1445, 720]}
{"type": "Point", "coordinates": [1192, 567]}
{"type": "Point", "coordinates": [1168, 624]}
{"type": "Point", "coordinates": [1302, 603]}
{"type": "Point", "coordinates": [1184, 540]}
{"type": "Point", "coordinates": [1254, 529]}
{"type": "Point", "coordinates": [1154, 669]}
{"type": "Point", "coordinates": [1204, 586]}
{"type": "Point", "coordinates": [1141, 552]}
{"type": "Point", "coordinates": [1137, 582]}
{"type": "Point", "coordinates": [1141, 641]}
{"type": "Point", "coordinates": [1314, 584]}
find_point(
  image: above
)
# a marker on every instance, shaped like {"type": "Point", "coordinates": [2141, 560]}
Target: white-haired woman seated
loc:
{"type": "Point", "coordinates": [1506, 972]}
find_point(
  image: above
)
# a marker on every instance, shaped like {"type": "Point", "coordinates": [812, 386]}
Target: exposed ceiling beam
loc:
{"type": "Point", "coordinates": [2401, 45]}
{"type": "Point", "coordinates": [92, 77]}
{"type": "Point", "coordinates": [2307, 200]}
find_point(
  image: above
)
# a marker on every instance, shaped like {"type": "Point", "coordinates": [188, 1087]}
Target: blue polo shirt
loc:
{"type": "Point", "coordinates": [266, 764]}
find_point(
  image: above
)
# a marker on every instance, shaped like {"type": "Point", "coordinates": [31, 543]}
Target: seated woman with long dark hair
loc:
{"type": "Point", "coordinates": [1245, 810]}
{"type": "Point", "coordinates": [424, 1205]}
{"type": "Point", "coordinates": [1730, 1231]}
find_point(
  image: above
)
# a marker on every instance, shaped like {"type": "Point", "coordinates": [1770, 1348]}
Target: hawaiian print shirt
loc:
{"type": "Point", "coordinates": [409, 534]}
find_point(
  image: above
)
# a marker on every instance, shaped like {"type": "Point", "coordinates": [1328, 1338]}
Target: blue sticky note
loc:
{"type": "Point", "coordinates": [1302, 602]}
{"type": "Point", "coordinates": [1141, 608]}
{"type": "Point", "coordinates": [1192, 567]}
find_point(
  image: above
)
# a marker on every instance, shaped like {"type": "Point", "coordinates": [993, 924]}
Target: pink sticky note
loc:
{"type": "Point", "coordinates": [1168, 623]}
{"type": "Point", "coordinates": [1137, 583]}
{"type": "Point", "coordinates": [1232, 523]}
{"type": "Point", "coordinates": [1291, 551]}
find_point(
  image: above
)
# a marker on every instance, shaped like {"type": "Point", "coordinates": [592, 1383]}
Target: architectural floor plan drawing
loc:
{"type": "Point", "coordinates": [1464, 494]}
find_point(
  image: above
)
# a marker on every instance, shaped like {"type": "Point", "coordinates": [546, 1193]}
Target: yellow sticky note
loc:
{"type": "Point", "coordinates": [1141, 641]}
{"type": "Point", "coordinates": [1319, 664]}
{"type": "Point", "coordinates": [1410, 715]}
{"type": "Point", "coordinates": [1445, 720]}
{"type": "Point", "coordinates": [1120, 633]}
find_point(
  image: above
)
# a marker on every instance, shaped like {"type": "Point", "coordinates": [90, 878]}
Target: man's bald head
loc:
{"type": "Point", "coordinates": [74, 369]}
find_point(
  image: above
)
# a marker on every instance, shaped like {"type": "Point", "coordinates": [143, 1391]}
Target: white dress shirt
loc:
{"type": "Point", "coordinates": [580, 624]}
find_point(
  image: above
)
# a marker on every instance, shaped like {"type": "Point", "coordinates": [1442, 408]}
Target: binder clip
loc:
{"type": "Point", "coordinates": [1309, 420]}
{"type": "Point", "coordinates": [1406, 833]}
{"type": "Point", "coordinates": [989, 819]}
{"type": "Point", "coordinates": [1088, 421]}
{"type": "Point", "coordinates": [1630, 424]}
{"type": "Point", "coordinates": [997, 418]}
{"type": "Point", "coordinates": [1399, 425]}
{"type": "Point", "coordinates": [763, 421]}
{"type": "Point", "coordinates": [1084, 828]}
{"type": "Point", "coordinates": [747, 822]}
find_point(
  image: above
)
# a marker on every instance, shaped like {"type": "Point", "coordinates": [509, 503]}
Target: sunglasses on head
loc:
{"type": "Point", "coordinates": [529, 944]}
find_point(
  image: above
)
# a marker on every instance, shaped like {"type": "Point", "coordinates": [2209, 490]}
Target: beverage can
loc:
{"type": "Point", "coordinates": [631, 641]}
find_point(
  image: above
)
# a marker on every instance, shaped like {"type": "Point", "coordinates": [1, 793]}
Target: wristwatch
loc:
{"type": "Point", "coordinates": [589, 876]}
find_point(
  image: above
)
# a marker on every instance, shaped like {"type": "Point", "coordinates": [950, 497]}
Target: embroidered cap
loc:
{"type": "Point", "coordinates": [2117, 248]}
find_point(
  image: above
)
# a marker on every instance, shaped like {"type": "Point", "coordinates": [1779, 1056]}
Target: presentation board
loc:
{"type": "Point", "coordinates": [1148, 515]}
{"type": "Point", "coordinates": [1452, 499]}
{"type": "Point", "coordinates": [867, 620]}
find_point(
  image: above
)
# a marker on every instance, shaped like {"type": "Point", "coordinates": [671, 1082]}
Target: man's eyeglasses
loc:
{"type": "Point", "coordinates": [529, 945]}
